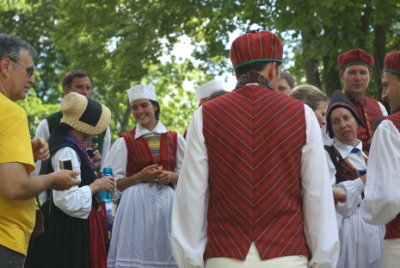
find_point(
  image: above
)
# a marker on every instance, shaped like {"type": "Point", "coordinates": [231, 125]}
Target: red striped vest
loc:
{"type": "Point", "coordinates": [369, 111]}
{"type": "Point", "coordinates": [393, 227]}
{"type": "Point", "coordinates": [254, 139]}
{"type": "Point", "coordinates": [139, 153]}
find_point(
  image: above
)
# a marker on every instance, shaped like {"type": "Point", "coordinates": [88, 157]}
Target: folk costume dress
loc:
{"type": "Point", "coordinates": [142, 226]}
{"type": "Point", "coordinates": [75, 220]}
{"type": "Point", "coordinates": [361, 243]}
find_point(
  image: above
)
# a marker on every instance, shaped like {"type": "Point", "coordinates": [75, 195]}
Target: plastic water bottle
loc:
{"type": "Point", "coordinates": [106, 196]}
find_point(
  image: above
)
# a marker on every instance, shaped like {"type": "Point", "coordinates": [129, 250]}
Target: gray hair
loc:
{"type": "Point", "coordinates": [11, 45]}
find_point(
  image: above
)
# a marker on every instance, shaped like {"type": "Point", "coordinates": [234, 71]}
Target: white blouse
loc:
{"type": "Point", "coordinates": [117, 158]}
{"type": "Point", "coordinates": [77, 201]}
{"type": "Point", "coordinates": [353, 188]}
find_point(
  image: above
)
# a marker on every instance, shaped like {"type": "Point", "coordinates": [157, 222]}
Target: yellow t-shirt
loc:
{"type": "Point", "coordinates": [17, 217]}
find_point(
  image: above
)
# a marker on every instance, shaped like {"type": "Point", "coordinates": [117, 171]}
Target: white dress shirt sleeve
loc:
{"type": "Point", "coordinates": [180, 151]}
{"type": "Point", "coordinates": [318, 205]}
{"type": "Point", "coordinates": [383, 109]}
{"type": "Point", "coordinates": [117, 159]}
{"type": "Point", "coordinates": [189, 211]}
{"type": "Point", "coordinates": [331, 169]}
{"type": "Point", "coordinates": [77, 201]}
{"type": "Point", "coordinates": [353, 189]}
{"type": "Point", "coordinates": [106, 147]}
{"type": "Point", "coordinates": [42, 131]}
{"type": "Point", "coordinates": [382, 199]}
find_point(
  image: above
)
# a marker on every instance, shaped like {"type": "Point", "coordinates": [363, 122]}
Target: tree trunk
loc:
{"type": "Point", "coordinates": [364, 26]}
{"type": "Point", "coordinates": [310, 61]}
{"type": "Point", "coordinates": [329, 60]}
{"type": "Point", "coordinates": [379, 52]}
{"type": "Point", "coordinates": [331, 75]}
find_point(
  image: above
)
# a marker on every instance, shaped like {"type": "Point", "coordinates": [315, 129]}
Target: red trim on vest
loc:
{"type": "Point", "coordinates": [393, 227]}
{"type": "Point", "coordinates": [139, 153]}
{"type": "Point", "coordinates": [369, 111]}
{"type": "Point", "coordinates": [254, 139]}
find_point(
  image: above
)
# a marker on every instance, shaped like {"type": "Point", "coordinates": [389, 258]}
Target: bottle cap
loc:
{"type": "Point", "coordinates": [107, 170]}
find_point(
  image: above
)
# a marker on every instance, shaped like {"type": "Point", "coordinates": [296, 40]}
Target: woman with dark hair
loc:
{"type": "Point", "coordinates": [75, 224]}
{"type": "Point", "coordinates": [361, 244]}
{"type": "Point", "coordinates": [146, 161]}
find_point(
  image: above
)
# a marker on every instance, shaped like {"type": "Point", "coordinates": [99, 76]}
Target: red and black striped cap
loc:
{"type": "Point", "coordinates": [355, 57]}
{"type": "Point", "coordinates": [392, 62]}
{"type": "Point", "coordinates": [255, 46]}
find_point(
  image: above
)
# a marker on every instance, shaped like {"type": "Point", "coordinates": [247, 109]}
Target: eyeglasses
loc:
{"type": "Point", "coordinates": [28, 69]}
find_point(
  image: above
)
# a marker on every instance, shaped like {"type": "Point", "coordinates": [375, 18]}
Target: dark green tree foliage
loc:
{"type": "Point", "coordinates": [121, 43]}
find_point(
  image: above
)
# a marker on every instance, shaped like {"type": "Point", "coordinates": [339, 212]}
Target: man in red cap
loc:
{"type": "Point", "coordinates": [382, 199]}
{"type": "Point", "coordinates": [254, 188]}
{"type": "Point", "coordinates": [355, 72]}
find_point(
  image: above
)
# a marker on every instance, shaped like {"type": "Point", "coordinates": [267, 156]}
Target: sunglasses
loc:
{"type": "Point", "coordinates": [28, 69]}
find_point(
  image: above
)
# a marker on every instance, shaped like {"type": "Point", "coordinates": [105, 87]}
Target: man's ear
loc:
{"type": "Point", "coordinates": [341, 73]}
{"type": "Point", "coordinates": [66, 90]}
{"type": "Point", "coordinates": [5, 65]}
{"type": "Point", "coordinates": [271, 71]}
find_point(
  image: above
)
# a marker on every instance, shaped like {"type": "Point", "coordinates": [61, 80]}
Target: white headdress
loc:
{"type": "Point", "coordinates": [142, 92]}
{"type": "Point", "coordinates": [205, 90]}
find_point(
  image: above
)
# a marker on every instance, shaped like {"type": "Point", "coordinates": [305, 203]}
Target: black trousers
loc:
{"type": "Point", "coordinates": [10, 258]}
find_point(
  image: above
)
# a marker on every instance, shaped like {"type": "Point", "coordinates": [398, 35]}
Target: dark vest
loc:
{"type": "Point", "coordinates": [254, 139]}
{"type": "Point", "coordinates": [344, 171]}
{"type": "Point", "coordinates": [393, 227]}
{"type": "Point", "coordinates": [57, 141]}
{"type": "Point", "coordinates": [140, 156]}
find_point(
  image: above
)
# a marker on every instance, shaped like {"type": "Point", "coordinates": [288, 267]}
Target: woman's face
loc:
{"type": "Point", "coordinates": [81, 136]}
{"type": "Point", "coordinates": [144, 113]}
{"type": "Point", "coordinates": [320, 113]}
{"type": "Point", "coordinates": [283, 86]}
{"type": "Point", "coordinates": [344, 126]}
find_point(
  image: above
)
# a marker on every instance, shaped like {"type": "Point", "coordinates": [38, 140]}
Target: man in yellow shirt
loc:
{"type": "Point", "coordinates": [17, 186]}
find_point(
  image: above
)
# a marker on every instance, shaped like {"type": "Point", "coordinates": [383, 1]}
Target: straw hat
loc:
{"type": "Point", "coordinates": [84, 114]}
{"type": "Point", "coordinates": [142, 92]}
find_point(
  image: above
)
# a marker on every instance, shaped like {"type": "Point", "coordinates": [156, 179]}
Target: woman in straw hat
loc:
{"type": "Point", "coordinates": [75, 227]}
{"type": "Point", "coordinates": [361, 244]}
{"type": "Point", "coordinates": [146, 161]}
